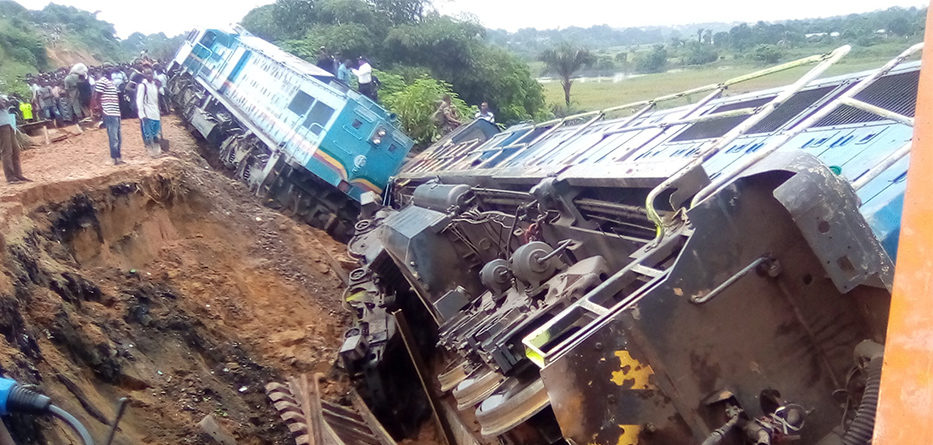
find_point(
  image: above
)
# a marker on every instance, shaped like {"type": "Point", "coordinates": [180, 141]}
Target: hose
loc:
{"type": "Point", "coordinates": [860, 430]}
{"type": "Point", "coordinates": [73, 423]}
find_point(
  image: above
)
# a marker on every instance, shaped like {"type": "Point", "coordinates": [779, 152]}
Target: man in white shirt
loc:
{"type": "Point", "coordinates": [162, 81]}
{"type": "Point", "coordinates": [147, 103]}
{"type": "Point", "coordinates": [485, 113]}
{"type": "Point", "coordinates": [118, 78]}
{"type": "Point", "coordinates": [364, 74]}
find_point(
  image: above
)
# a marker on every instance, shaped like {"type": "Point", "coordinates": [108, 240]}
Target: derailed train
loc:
{"type": "Point", "coordinates": [718, 272]}
{"type": "Point", "coordinates": [289, 129]}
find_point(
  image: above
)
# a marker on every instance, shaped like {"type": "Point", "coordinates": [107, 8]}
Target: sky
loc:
{"type": "Point", "coordinates": [176, 16]}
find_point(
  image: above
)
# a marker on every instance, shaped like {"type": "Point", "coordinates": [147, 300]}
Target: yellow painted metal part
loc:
{"type": "Point", "coordinates": [632, 374]}
{"type": "Point", "coordinates": [906, 398]}
{"type": "Point", "coordinates": [628, 435]}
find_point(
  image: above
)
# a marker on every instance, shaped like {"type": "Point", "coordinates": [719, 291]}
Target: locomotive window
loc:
{"type": "Point", "coordinates": [320, 114]}
{"type": "Point", "coordinates": [301, 103]}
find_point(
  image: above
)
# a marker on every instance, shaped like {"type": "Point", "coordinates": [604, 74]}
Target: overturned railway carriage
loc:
{"type": "Point", "coordinates": [286, 127]}
{"type": "Point", "coordinates": [718, 272]}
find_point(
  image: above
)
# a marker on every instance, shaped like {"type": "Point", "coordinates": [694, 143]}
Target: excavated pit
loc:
{"type": "Point", "coordinates": [169, 284]}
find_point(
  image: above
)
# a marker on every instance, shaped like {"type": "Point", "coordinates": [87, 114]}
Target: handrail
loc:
{"type": "Point", "coordinates": [847, 98]}
{"type": "Point", "coordinates": [764, 111]}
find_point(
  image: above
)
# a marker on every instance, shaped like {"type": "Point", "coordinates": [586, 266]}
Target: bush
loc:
{"type": "Point", "coordinates": [654, 61]}
{"type": "Point", "coordinates": [699, 54]}
{"type": "Point", "coordinates": [767, 54]}
{"type": "Point", "coordinates": [416, 103]}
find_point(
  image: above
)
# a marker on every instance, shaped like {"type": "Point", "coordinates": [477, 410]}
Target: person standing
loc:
{"type": "Point", "coordinates": [447, 116]}
{"type": "Point", "coordinates": [71, 94]}
{"type": "Point", "coordinates": [343, 72]}
{"type": "Point", "coordinates": [162, 81]}
{"type": "Point", "coordinates": [147, 105]}
{"type": "Point", "coordinates": [325, 61]}
{"type": "Point", "coordinates": [364, 75]}
{"type": "Point", "coordinates": [117, 77]}
{"type": "Point", "coordinates": [85, 92]}
{"type": "Point", "coordinates": [48, 108]}
{"type": "Point", "coordinates": [106, 94]}
{"type": "Point", "coordinates": [485, 113]}
{"type": "Point", "coordinates": [9, 147]}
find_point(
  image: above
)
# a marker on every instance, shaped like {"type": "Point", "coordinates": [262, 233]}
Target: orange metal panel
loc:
{"type": "Point", "coordinates": [905, 411]}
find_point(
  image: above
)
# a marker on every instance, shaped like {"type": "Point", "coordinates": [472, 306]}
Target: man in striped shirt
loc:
{"type": "Point", "coordinates": [106, 96]}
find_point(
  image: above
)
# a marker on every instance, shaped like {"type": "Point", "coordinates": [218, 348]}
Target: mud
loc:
{"type": "Point", "coordinates": [162, 281]}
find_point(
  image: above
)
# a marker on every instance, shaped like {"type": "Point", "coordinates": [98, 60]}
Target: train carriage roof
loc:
{"type": "Point", "coordinates": [298, 64]}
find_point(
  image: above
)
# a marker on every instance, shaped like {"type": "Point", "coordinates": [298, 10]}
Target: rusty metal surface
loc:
{"type": "Point", "coordinates": [653, 361]}
{"type": "Point", "coordinates": [315, 421]}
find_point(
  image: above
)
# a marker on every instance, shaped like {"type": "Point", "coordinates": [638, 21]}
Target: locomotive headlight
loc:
{"type": "Point", "coordinates": [380, 133]}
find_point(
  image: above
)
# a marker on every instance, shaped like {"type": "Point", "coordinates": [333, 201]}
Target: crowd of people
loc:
{"type": "Point", "coordinates": [110, 93]}
{"type": "Point", "coordinates": [81, 95]}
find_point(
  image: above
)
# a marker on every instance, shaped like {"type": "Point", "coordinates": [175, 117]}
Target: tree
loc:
{"type": "Point", "coordinates": [402, 11]}
{"type": "Point", "coordinates": [767, 54]}
{"type": "Point", "coordinates": [698, 54]}
{"type": "Point", "coordinates": [565, 60]}
{"type": "Point", "coordinates": [653, 61]}
{"type": "Point", "coordinates": [261, 21]}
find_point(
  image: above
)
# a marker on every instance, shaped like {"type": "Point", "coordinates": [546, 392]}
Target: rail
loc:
{"type": "Point", "coordinates": [761, 113]}
{"type": "Point", "coordinates": [847, 98]}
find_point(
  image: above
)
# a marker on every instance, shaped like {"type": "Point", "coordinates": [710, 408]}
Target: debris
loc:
{"type": "Point", "coordinates": [209, 426]}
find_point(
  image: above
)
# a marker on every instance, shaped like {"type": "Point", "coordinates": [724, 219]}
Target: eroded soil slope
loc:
{"type": "Point", "coordinates": [162, 281]}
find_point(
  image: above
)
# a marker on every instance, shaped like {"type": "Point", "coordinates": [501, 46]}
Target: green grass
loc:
{"type": "Point", "coordinates": [591, 95]}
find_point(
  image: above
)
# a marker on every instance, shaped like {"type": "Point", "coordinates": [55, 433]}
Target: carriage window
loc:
{"type": "Point", "coordinates": [320, 114]}
{"type": "Point", "coordinates": [300, 103]}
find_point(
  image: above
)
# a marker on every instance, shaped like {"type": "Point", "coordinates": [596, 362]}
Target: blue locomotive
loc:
{"type": "Point", "coordinates": [286, 127]}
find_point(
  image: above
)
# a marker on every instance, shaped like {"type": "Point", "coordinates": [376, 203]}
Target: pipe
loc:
{"type": "Point", "coordinates": [860, 430]}
{"type": "Point", "coordinates": [73, 423]}
{"type": "Point", "coordinates": [716, 436]}
{"type": "Point", "coordinates": [881, 167]}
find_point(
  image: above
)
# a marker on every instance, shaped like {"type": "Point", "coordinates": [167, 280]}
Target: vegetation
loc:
{"type": "Point", "coordinates": [745, 46]}
{"type": "Point", "coordinates": [416, 102]}
{"type": "Point", "coordinates": [566, 59]}
{"type": "Point", "coordinates": [427, 51]}
{"type": "Point", "coordinates": [26, 37]}
{"type": "Point", "coordinates": [593, 94]}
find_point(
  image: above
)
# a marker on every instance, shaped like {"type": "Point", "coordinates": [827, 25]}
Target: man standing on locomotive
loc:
{"type": "Point", "coordinates": [365, 76]}
{"type": "Point", "coordinates": [147, 105]}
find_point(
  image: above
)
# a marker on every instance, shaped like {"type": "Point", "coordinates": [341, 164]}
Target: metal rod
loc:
{"type": "Point", "coordinates": [121, 408]}
{"type": "Point", "coordinates": [874, 109]}
{"type": "Point", "coordinates": [700, 299]}
{"type": "Point", "coordinates": [689, 120]}
{"type": "Point", "coordinates": [418, 362]}
{"type": "Point", "coordinates": [569, 137]}
{"type": "Point", "coordinates": [374, 424]}
{"type": "Point", "coordinates": [803, 126]}
{"type": "Point", "coordinates": [739, 130]}
{"type": "Point", "coordinates": [878, 169]}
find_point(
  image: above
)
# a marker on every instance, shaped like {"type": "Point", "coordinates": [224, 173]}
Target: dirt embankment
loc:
{"type": "Point", "coordinates": [159, 280]}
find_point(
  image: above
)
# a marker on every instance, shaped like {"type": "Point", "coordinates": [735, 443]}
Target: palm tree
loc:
{"type": "Point", "coordinates": [566, 59]}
